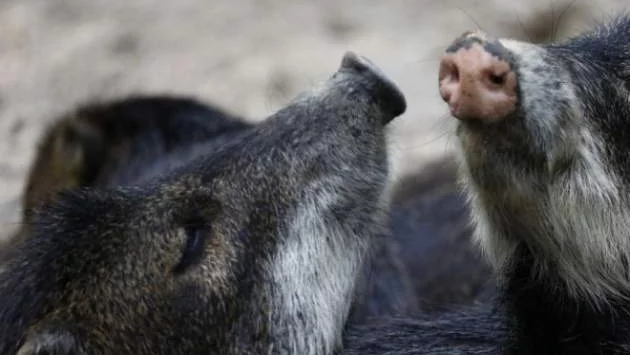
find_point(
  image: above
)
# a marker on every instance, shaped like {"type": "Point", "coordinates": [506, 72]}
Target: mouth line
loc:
{"type": "Point", "coordinates": [476, 126]}
{"type": "Point", "coordinates": [495, 138]}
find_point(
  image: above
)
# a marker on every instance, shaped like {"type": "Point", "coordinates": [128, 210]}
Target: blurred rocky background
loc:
{"type": "Point", "coordinates": [247, 56]}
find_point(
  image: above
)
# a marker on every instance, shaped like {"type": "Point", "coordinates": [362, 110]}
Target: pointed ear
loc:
{"type": "Point", "coordinates": [51, 342]}
{"type": "Point", "coordinates": [68, 156]}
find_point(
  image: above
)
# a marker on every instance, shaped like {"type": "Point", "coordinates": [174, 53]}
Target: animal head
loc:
{"type": "Point", "coordinates": [253, 247]}
{"type": "Point", "coordinates": [543, 138]}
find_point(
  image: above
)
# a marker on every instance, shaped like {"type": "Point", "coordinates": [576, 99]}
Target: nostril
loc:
{"type": "Point", "coordinates": [449, 78]}
{"type": "Point", "coordinates": [497, 79]}
{"type": "Point", "coordinates": [455, 73]}
{"type": "Point", "coordinates": [449, 72]}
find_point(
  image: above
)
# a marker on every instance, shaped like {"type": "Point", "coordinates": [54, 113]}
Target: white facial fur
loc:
{"type": "Point", "coordinates": [315, 273]}
{"type": "Point", "coordinates": [576, 223]}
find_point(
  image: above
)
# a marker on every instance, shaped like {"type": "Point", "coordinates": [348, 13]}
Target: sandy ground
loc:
{"type": "Point", "coordinates": [247, 56]}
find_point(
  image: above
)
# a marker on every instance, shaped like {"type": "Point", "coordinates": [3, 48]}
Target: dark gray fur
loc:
{"type": "Point", "coordinates": [248, 244]}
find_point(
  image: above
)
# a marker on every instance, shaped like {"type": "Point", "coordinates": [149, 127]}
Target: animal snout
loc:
{"type": "Point", "coordinates": [389, 97]}
{"type": "Point", "coordinates": [477, 79]}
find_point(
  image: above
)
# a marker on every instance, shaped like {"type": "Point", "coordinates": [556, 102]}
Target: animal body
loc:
{"type": "Point", "coordinates": [162, 226]}
{"type": "Point", "coordinates": [543, 155]}
{"type": "Point", "coordinates": [107, 144]}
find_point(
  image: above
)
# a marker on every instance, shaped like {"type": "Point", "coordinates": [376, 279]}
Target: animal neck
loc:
{"type": "Point", "coordinates": [548, 319]}
{"type": "Point", "coordinates": [563, 259]}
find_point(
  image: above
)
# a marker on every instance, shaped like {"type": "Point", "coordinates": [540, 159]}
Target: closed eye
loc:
{"type": "Point", "coordinates": [196, 232]}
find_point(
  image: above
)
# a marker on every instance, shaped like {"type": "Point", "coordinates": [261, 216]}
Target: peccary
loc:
{"type": "Point", "coordinates": [543, 137]}
{"type": "Point", "coordinates": [226, 238]}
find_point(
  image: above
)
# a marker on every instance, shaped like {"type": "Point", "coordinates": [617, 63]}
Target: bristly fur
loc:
{"type": "Point", "coordinates": [548, 191]}
{"type": "Point", "coordinates": [553, 198]}
{"type": "Point", "coordinates": [548, 188]}
{"type": "Point", "coordinates": [248, 244]}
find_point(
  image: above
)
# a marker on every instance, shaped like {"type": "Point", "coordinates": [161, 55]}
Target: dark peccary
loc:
{"type": "Point", "coordinates": [109, 143]}
{"type": "Point", "coordinates": [544, 136]}
{"type": "Point", "coordinates": [430, 222]}
{"type": "Point", "coordinates": [426, 263]}
{"type": "Point", "coordinates": [103, 144]}
{"type": "Point", "coordinates": [252, 245]}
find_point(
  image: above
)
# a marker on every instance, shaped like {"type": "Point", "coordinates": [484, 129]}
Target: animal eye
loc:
{"type": "Point", "coordinates": [193, 251]}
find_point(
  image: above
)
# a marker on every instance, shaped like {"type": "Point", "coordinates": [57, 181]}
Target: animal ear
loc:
{"type": "Point", "coordinates": [55, 342]}
{"type": "Point", "coordinates": [68, 156]}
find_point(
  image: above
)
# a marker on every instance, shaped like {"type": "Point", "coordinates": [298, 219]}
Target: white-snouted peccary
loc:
{"type": "Point", "coordinates": [543, 135]}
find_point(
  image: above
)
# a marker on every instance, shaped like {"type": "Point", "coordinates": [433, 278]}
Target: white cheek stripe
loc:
{"type": "Point", "coordinates": [579, 223]}
{"type": "Point", "coordinates": [315, 274]}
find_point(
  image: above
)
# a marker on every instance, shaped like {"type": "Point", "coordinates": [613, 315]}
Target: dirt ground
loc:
{"type": "Point", "coordinates": [247, 56]}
